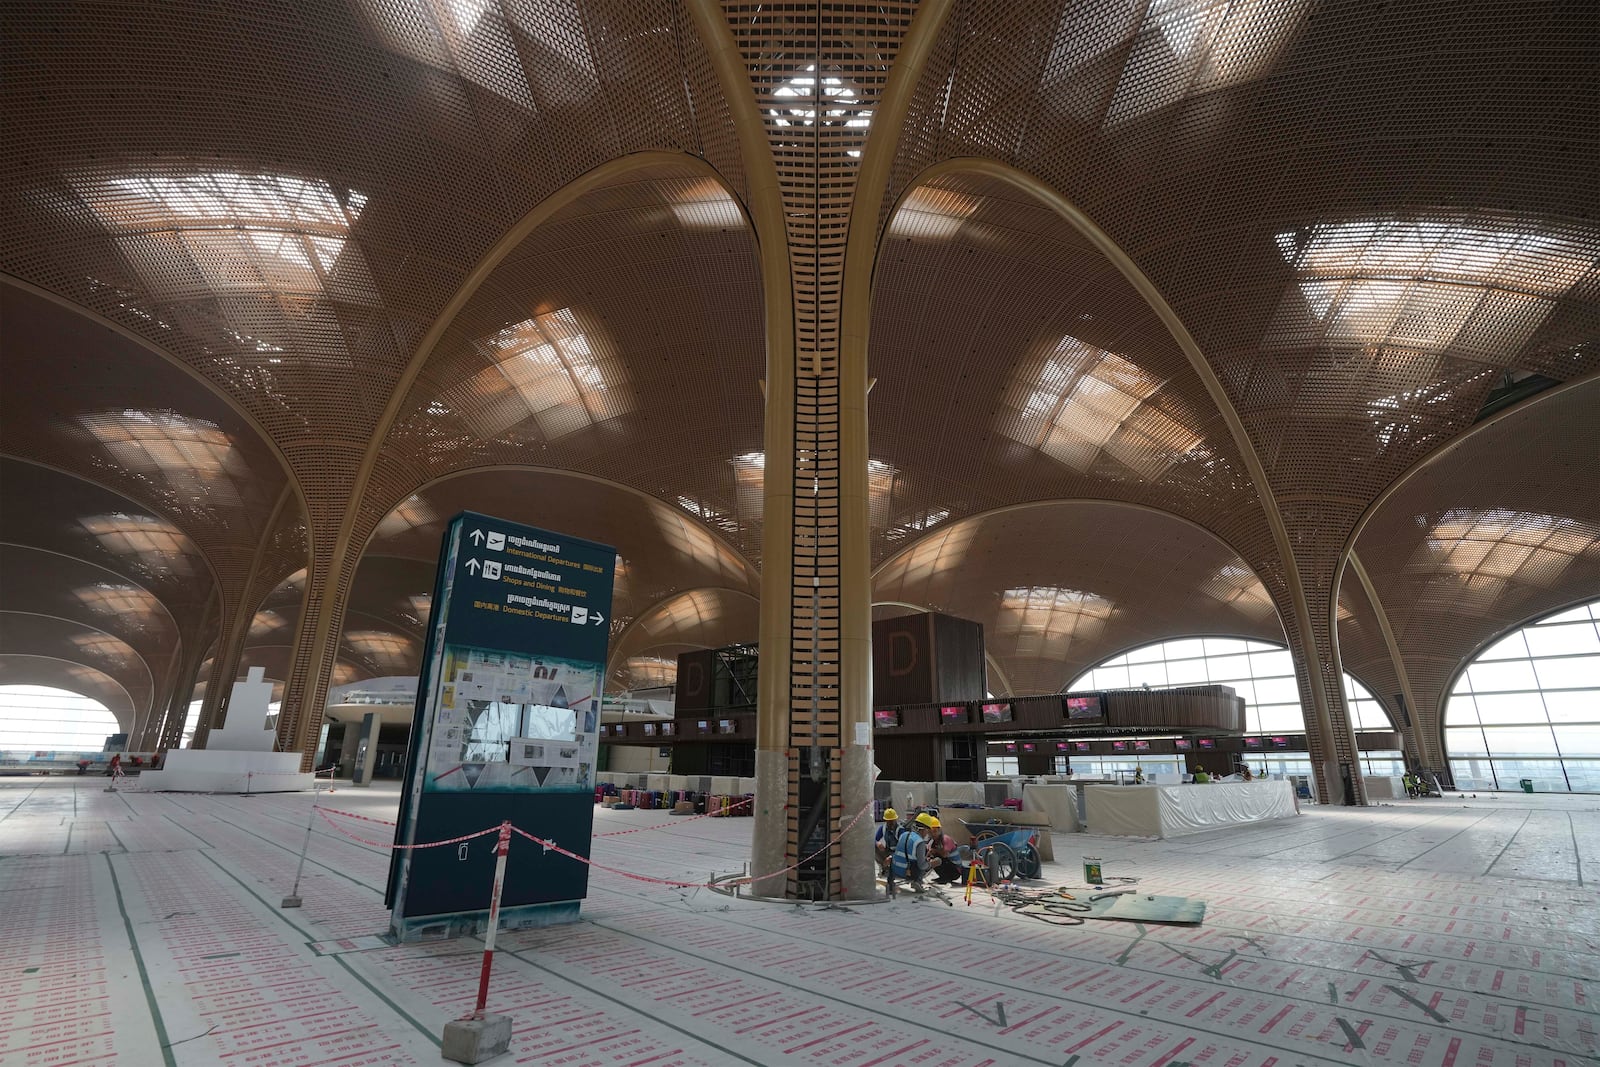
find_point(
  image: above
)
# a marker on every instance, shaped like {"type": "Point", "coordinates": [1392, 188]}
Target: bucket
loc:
{"type": "Point", "coordinates": [1527, 785]}
{"type": "Point", "coordinates": [1091, 870]}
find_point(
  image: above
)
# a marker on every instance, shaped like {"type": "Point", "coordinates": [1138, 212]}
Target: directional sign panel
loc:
{"type": "Point", "coordinates": [506, 726]}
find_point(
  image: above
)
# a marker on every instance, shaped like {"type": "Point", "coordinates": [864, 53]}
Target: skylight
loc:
{"type": "Point", "coordinates": [841, 106]}
{"type": "Point", "coordinates": [1195, 46]}
{"type": "Point", "coordinates": [103, 646]}
{"type": "Point", "coordinates": [388, 649]}
{"type": "Point", "coordinates": [1238, 585]}
{"type": "Point", "coordinates": [228, 230]}
{"type": "Point", "coordinates": [1045, 620]}
{"type": "Point", "coordinates": [925, 571]}
{"type": "Point", "coordinates": [915, 522]}
{"type": "Point", "coordinates": [158, 545]}
{"type": "Point", "coordinates": [749, 481]}
{"type": "Point", "coordinates": [167, 443]}
{"type": "Point", "coordinates": [1084, 403]}
{"type": "Point", "coordinates": [103, 598]}
{"type": "Point", "coordinates": [1428, 285]}
{"type": "Point", "coordinates": [545, 366]}
{"type": "Point", "coordinates": [1500, 545]}
{"type": "Point", "coordinates": [267, 622]}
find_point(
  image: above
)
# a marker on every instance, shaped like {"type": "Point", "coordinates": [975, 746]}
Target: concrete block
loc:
{"type": "Point", "coordinates": [476, 1040]}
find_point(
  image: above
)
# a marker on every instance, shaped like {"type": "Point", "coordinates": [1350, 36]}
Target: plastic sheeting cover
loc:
{"type": "Point", "coordinates": [1172, 811]}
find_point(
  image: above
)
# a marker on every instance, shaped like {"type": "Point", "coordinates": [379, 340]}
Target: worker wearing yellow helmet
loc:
{"type": "Point", "coordinates": [883, 841]}
{"type": "Point", "coordinates": [941, 852]}
{"type": "Point", "coordinates": [909, 860]}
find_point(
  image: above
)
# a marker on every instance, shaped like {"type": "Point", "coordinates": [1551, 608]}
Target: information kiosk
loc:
{"type": "Point", "coordinates": [506, 728]}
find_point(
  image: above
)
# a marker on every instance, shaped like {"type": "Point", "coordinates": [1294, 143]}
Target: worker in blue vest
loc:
{"type": "Point", "coordinates": [888, 835]}
{"type": "Point", "coordinates": [910, 859]}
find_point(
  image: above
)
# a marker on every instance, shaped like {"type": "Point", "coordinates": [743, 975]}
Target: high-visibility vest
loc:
{"type": "Point", "coordinates": [910, 854]}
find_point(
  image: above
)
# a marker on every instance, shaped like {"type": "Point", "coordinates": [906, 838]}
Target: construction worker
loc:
{"type": "Point", "coordinates": [909, 861]}
{"type": "Point", "coordinates": [888, 833]}
{"type": "Point", "coordinates": [941, 854]}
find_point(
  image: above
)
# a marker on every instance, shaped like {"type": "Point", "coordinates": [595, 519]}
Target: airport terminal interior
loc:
{"type": "Point", "coordinates": [505, 503]}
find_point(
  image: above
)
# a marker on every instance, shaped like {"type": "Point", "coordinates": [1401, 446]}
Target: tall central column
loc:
{"type": "Point", "coordinates": [817, 71]}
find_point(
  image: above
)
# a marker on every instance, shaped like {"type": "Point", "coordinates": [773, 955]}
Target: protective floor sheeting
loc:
{"type": "Point", "coordinates": [144, 929]}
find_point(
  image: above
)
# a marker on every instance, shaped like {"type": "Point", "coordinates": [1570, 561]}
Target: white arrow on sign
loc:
{"type": "Point", "coordinates": [477, 537]}
{"type": "Point", "coordinates": [473, 565]}
{"type": "Point", "coordinates": [597, 618]}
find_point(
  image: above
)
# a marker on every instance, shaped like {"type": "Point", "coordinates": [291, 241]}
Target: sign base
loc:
{"type": "Point", "coordinates": [471, 923]}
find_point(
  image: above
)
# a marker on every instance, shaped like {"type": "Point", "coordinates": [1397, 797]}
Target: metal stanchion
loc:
{"type": "Point", "coordinates": [481, 1036]}
{"type": "Point", "coordinates": [293, 899]}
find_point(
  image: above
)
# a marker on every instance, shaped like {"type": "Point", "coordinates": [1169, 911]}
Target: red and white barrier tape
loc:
{"type": "Point", "coordinates": [353, 815]}
{"type": "Point", "coordinates": [391, 844]}
{"type": "Point", "coordinates": [551, 846]}
{"type": "Point", "coordinates": [680, 822]}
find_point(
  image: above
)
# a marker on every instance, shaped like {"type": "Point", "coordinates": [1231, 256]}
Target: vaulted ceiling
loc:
{"type": "Point", "coordinates": [1174, 303]}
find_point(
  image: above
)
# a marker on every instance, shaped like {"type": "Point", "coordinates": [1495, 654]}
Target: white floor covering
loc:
{"type": "Point", "coordinates": [144, 929]}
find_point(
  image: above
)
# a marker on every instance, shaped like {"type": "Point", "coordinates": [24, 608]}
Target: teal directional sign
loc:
{"type": "Point", "coordinates": [506, 727]}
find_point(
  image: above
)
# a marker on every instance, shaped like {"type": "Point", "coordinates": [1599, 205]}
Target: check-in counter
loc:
{"type": "Point", "coordinates": [1176, 810]}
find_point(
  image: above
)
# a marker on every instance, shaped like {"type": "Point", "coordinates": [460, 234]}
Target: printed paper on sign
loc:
{"type": "Point", "coordinates": [580, 615]}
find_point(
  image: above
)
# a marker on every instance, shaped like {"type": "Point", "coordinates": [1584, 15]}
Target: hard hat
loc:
{"type": "Point", "coordinates": [926, 820]}
{"type": "Point", "coordinates": [890, 815]}
{"type": "Point", "coordinates": [935, 823]}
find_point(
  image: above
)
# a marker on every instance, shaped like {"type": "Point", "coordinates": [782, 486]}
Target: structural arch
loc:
{"type": "Point", "coordinates": [69, 675]}
{"type": "Point", "coordinates": [692, 619]}
{"type": "Point", "coordinates": [1060, 584]}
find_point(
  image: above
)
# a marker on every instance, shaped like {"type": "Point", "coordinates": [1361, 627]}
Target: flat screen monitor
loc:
{"type": "Point", "coordinates": [1029, 746]}
{"type": "Point", "coordinates": [1084, 708]}
{"type": "Point", "coordinates": [669, 728]}
{"type": "Point", "coordinates": [997, 713]}
{"type": "Point", "coordinates": [1119, 746]}
{"type": "Point", "coordinates": [1063, 746]}
{"type": "Point", "coordinates": [1280, 742]}
{"type": "Point", "coordinates": [649, 729]}
{"type": "Point", "coordinates": [1080, 746]}
{"type": "Point", "coordinates": [1011, 746]}
{"type": "Point", "coordinates": [1252, 742]}
{"type": "Point", "coordinates": [725, 726]}
{"type": "Point", "coordinates": [1141, 746]}
{"type": "Point", "coordinates": [1184, 744]}
{"type": "Point", "coordinates": [1208, 743]}
{"type": "Point", "coordinates": [953, 713]}
{"type": "Point", "coordinates": [883, 718]}
{"type": "Point", "coordinates": [705, 726]}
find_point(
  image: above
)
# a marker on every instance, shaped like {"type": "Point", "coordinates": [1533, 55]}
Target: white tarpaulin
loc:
{"type": "Point", "coordinates": [1059, 803]}
{"type": "Point", "coordinates": [1172, 811]}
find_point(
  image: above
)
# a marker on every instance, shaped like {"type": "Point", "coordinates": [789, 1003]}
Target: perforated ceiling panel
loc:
{"type": "Point", "coordinates": [645, 652]}
{"type": "Point", "coordinates": [1295, 187]}
{"type": "Point", "coordinates": [1358, 219]}
{"type": "Point", "coordinates": [1059, 587]}
{"type": "Point", "coordinates": [1492, 533]}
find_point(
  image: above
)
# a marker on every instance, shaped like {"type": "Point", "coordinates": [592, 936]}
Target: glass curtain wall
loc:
{"type": "Point", "coordinates": [1259, 671]}
{"type": "Point", "coordinates": [37, 717]}
{"type": "Point", "coordinates": [1528, 708]}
